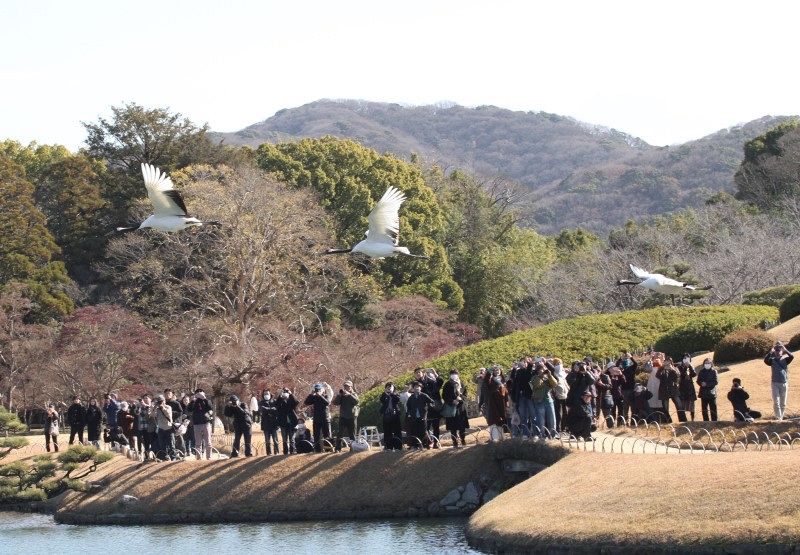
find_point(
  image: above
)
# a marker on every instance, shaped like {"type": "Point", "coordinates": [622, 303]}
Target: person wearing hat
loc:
{"type": "Point", "coordinates": [286, 407]}
{"type": "Point", "coordinates": [202, 415]}
{"type": "Point", "coordinates": [738, 398]}
{"type": "Point", "coordinates": [778, 359]}
{"type": "Point", "coordinates": [242, 425]}
{"type": "Point", "coordinates": [51, 427]}
{"type": "Point", "coordinates": [302, 437]}
{"type": "Point", "coordinates": [322, 415]}
{"type": "Point", "coordinates": [347, 401]}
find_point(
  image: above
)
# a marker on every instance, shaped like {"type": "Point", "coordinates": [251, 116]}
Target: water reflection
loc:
{"type": "Point", "coordinates": [37, 534]}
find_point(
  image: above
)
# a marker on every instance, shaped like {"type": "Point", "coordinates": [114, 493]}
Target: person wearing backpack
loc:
{"type": "Point", "coordinates": [242, 425]}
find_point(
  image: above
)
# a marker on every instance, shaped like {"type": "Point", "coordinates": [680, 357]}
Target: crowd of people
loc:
{"type": "Point", "coordinates": [537, 397]}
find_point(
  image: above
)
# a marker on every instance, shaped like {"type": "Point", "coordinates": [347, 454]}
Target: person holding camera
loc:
{"type": "Point", "coordinates": [51, 427]}
{"type": "Point", "coordinates": [432, 387]}
{"type": "Point", "coordinates": [202, 416]}
{"type": "Point", "coordinates": [347, 401]}
{"type": "Point", "coordinates": [542, 384]}
{"type": "Point", "coordinates": [286, 414]}
{"type": "Point", "coordinates": [417, 408]}
{"type": "Point", "coordinates": [322, 415]}
{"type": "Point", "coordinates": [391, 406]}
{"type": "Point", "coordinates": [779, 359]}
{"type": "Point", "coordinates": [242, 425]}
{"type": "Point", "coordinates": [738, 398]}
{"type": "Point", "coordinates": [164, 429]}
{"type": "Point", "coordinates": [268, 408]}
{"type": "Point", "coordinates": [669, 389]}
{"type": "Point", "coordinates": [580, 379]}
{"type": "Point", "coordinates": [454, 395]}
{"type": "Point", "coordinates": [707, 380]}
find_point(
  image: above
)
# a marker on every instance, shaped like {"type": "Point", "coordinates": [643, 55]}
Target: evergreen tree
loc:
{"type": "Point", "coordinates": [349, 179]}
{"type": "Point", "coordinates": [28, 249]}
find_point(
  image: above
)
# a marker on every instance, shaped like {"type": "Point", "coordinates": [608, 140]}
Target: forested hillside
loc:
{"type": "Point", "coordinates": [578, 174]}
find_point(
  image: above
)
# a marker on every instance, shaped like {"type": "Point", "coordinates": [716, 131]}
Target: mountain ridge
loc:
{"type": "Point", "coordinates": [578, 173]}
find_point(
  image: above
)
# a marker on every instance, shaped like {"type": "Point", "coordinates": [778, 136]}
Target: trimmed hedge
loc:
{"type": "Point", "coordinates": [771, 296]}
{"type": "Point", "coordinates": [790, 307]}
{"type": "Point", "coordinates": [793, 343]}
{"type": "Point", "coordinates": [598, 335]}
{"type": "Point", "coordinates": [703, 334]}
{"type": "Point", "coordinates": [741, 345]}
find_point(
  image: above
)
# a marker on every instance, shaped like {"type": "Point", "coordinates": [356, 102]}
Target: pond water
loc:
{"type": "Point", "coordinates": [34, 534]}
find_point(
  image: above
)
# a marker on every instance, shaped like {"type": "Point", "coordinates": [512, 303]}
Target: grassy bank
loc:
{"type": "Point", "coordinates": [373, 484]}
{"type": "Point", "coordinates": [653, 502]}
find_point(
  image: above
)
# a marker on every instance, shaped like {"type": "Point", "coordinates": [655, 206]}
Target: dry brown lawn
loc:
{"type": "Point", "coordinates": [726, 498]}
{"type": "Point", "coordinates": [329, 482]}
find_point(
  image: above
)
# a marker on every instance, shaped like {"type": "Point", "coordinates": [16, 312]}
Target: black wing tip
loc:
{"type": "Point", "coordinates": [177, 199]}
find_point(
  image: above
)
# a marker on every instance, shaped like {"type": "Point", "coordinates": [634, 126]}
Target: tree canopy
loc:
{"type": "Point", "coordinates": [349, 179]}
{"type": "Point", "coordinates": [28, 250]}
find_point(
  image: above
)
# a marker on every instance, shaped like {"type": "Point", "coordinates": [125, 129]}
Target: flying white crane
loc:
{"type": "Point", "coordinates": [660, 283]}
{"type": "Point", "coordinates": [384, 229]}
{"type": "Point", "coordinates": [170, 212]}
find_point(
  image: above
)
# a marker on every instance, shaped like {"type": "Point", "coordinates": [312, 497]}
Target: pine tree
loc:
{"type": "Point", "coordinates": [27, 249]}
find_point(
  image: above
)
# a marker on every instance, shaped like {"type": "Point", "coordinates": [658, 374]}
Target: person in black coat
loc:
{"type": "Point", "coordinates": [202, 415]}
{"type": "Point", "coordinates": [417, 408]}
{"type": "Point", "coordinates": [286, 414]}
{"type": "Point", "coordinates": [432, 387]}
{"type": "Point", "coordinates": [242, 425]}
{"type": "Point", "coordinates": [174, 404]}
{"type": "Point", "coordinates": [268, 410]}
{"type": "Point", "coordinates": [94, 422]}
{"type": "Point", "coordinates": [390, 412]}
{"type": "Point", "coordinates": [76, 418]}
{"type": "Point", "coordinates": [580, 419]}
{"type": "Point", "coordinates": [738, 398]}
{"type": "Point", "coordinates": [454, 393]}
{"type": "Point", "coordinates": [580, 379]}
{"type": "Point", "coordinates": [322, 415]}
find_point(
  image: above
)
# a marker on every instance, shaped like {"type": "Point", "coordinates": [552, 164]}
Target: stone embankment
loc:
{"type": "Point", "coordinates": [447, 482]}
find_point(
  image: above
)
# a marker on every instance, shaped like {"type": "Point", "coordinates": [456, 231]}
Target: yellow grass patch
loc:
{"type": "Point", "coordinates": [726, 498]}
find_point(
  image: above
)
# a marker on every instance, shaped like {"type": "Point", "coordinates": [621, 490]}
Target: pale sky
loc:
{"type": "Point", "coordinates": [667, 71]}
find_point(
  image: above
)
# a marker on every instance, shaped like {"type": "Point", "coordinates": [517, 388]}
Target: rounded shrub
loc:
{"type": "Point", "coordinates": [703, 334]}
{"type": "Point", "coordinates": [790, 307]}
{"type": "Point", "coordinates": [741, 345]}
{"type": "Point", "coordinates": [794, 343]}
{"type": "Point", "coordinates": [771, 296]}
